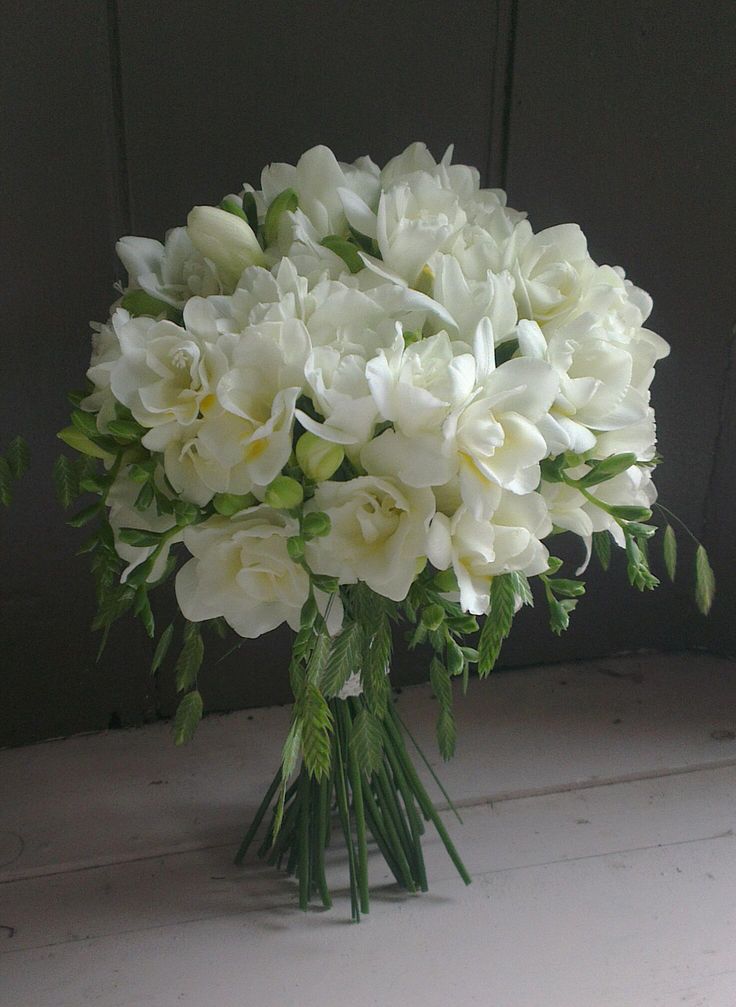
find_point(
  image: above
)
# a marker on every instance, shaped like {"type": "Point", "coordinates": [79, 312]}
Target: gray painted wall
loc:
{"type": "Point", "coordinates": [119, 116]}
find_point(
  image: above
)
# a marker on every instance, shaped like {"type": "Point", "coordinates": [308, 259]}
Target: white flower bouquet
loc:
{"type": "Point", "coordinates": [349, 399]}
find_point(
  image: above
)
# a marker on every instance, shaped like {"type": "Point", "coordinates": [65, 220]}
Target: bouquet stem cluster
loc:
{"type": "Point", "coordinates": [387, 804]}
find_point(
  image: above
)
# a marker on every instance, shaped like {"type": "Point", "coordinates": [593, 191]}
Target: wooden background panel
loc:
{"type": "Point", "coordinates": [214, 92]}
{"type": "Point", "coordinates": [62, 211]}
{"type": "Point", "coordinates": [622, 120]}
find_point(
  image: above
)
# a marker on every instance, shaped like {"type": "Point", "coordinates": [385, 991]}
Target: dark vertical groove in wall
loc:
{"type": "Point", "coordinates": [118, 117]}
{"type": "Point", "coordinates": [502, 73]}
{"type": "Point", "coordinates": [728, 390]}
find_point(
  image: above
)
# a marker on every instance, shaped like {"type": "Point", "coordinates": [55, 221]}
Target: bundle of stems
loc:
{"type": "Point", "coordinates": [390, 804]}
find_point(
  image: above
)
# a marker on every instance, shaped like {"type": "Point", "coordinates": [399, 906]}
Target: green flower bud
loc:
{"type": "Point", "coordinates": [228, 504]}
{"type": "Point", "coordinates": [295, 547]}
{"type": "Point", "coordinates": [316, 525]}
{"type": "Point", "coordinates": [284, 493]}
{"type": "Point", "coordinates": [318, 459]}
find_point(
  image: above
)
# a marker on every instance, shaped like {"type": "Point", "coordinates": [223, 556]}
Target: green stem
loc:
{"type": "Point", "coordinates": [304, 872]}
{"type": "Point", "coordinates": [344, 811]}
{"type": "Point", "coordinates": [425, 760]}
{"type": "Point", "coordinates": [428, 808]}
{"type": "Point", "coordinates": [255, 824]}
{"type": "Point", "coordinates": [671, 514]}
{"type": "Point", "coordinates": [354, 775]}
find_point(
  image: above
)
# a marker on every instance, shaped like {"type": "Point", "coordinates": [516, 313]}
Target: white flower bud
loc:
{"type": "Point", "coordinates": [225, 239]}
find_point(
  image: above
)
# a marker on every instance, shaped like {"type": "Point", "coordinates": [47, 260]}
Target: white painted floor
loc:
{"type": "Point", "coordinates": [599, 806]}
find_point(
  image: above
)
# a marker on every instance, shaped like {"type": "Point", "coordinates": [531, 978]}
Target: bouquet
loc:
{"type": "Point", "coordinates": [351, 399]}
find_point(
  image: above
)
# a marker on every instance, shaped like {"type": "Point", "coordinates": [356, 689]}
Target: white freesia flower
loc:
{"type": "Point", "coordinates": [415, 219]}
{"type": "Point", "coordinates": [378, 533]}
{"type": "Point", "coordinates": [491, 442]}
{"type": "Point", "coordinates": [549, 269]}
{"type": "Point", "coordinates": [105, 354]}
{"type": "Point", "coordinates": [470, 301]}
{"type": "Point", "coordinates": [604, 381]}
{"type": "Point", "coordinates": [172, 272]}
{"type": "Point", "coordinates": [318, 178]}
{"type": "Point", "coordinates": [478, 550]}
{"type": "Point", "coordinates": [415, 387]}
{"type": "Point", "coordinates": [241, 571]}
{"type": "Point", "coordinates": [166, 373]}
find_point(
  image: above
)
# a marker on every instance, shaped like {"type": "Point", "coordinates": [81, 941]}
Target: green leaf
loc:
{"type": "Point", "coordinates": [251, 210]}
{"type": "Point", "coordinates": [86, 515]}
{"type": "Point", "coordinates": [567, 588]}
{"type": "Point", "coordinates": [705, 581]}
{"type": "Point", "coordinates": [188, 716]}
{"type": "Point", "coordinates": [289, 757]}
{"type": "Point", "coordinates": [506, 350]}
{"type": "Point", "coordinates": [347, 251]}
{"type": "Point", "coordinates": [328, 585]}
{"type": "Point", "coordinates": [286, 202]}
{"type": "Point", "coordinates": [669, 550]}
{"type": "Point", "coordinates": [232, 207]}
{"type": "Point", "coordinates": [602, 548]}
{"type": "Point", "coordinates": [318, 658]}
{"type": "Point", "coordinates": [138, 302]}
{"type": "Point", "coordinates": [559, 614]}
{"type": "Point", "coordinates": [139, 537]}
{"type": "Point", "coordinates": [75, 439]}
{"type": "Point", "coordinates": [18, 455]}
{"type": "Point", "coordinates": [85, 422]}
{"type": "Point", "coordinates": [439, 678]}
{"type": "Point", "coordinates": [376, 661]}
{"type": "Point", "coordinates": [497, 624]}
{"type": "Point", "coordinates": [65, 481]}
{"type": "Point", "coordinates": [142, 609]}
{"type": "Point", "coordinates": [190, 659]}
{"type": "Point", "coordinates": [433, 616]}
{"type": "Point", "coordinates": [366, 740]}
{"type": "Point", "coordinates": [145, 497]}
{"type": "Point", "coordinates": [185, 513]}
{"type": "Point", "coordinates": [553, 469]}
{"type": "Point", "coordinates": [606, 469]}
{"type": "Point", "coordinates": [343, 659]}
{"type": "Point", "coordinates": [627, 513]}
{"type": "Point", "coordinates": [522, 588]}
{"type": "Point", "coordinates": [455, 658]}
{"type": "Point", "coordinates": [316, 721]}
{"type": "Point", "coordinates": [446, 734]}
{"type": "Point", "coordinates": [126, 430]}
{"type": "Point", "coordinates": [162, 648]}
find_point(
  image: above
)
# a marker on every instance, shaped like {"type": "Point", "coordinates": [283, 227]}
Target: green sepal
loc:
{"type": "Point", "coordinates": [286, 202]}
{"type": "Point", "coordinates": [346, 250]}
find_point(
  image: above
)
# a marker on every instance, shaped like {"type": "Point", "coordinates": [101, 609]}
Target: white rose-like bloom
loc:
{"type": "Point", "coordinates": [172, 272]}
{"type": "Point", "coordinates": [478, 550]}
{"type": "Point", "coordinates": [241, 571]}
{"type": "Point", "coordinates": [168, 374]}
{"type": "Point", "coordinates": [416, 386]}
{"type": "Point", "coordinates": [490, 443]}
{"type": "Point", "coordinates": [317, 178]}
{"type": "Point", "coordinates": [378, 533]}
{"type": "Point", "coordinates": [549, 269]}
